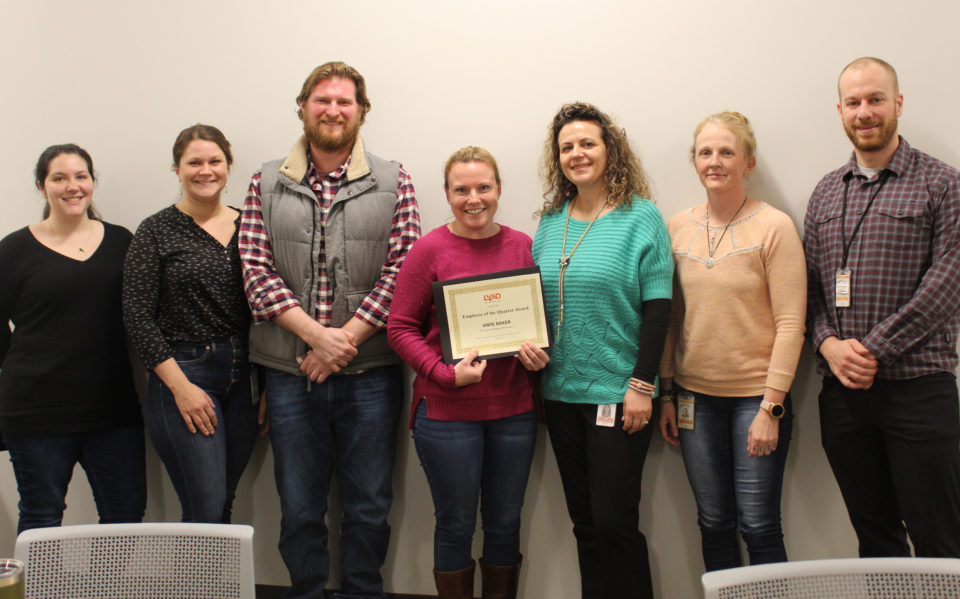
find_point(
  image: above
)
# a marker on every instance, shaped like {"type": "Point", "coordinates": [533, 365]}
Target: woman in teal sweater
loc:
{"type": "Point", "coordinates": [605, 259]}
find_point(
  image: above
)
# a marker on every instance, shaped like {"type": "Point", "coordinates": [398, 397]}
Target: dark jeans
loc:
{"type": "Point", "coordinates": [895, 452]}
{"type": "Point", "coordinates": [731, 487]}
{"type": "Point", "coordinates": [487, 460]}
{"type": "Point", "coordinates": [205, 470]}
{"type": "Point", "coordinates": [600, 468]}
{"type": "Point", "coordinates": [113, 460]}
{"type": "Point", "coordinates": [348, 422]}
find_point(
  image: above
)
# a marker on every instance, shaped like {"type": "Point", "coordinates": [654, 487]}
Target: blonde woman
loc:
{"type": "Point", "coordinates": [474, 424]}
{"type": "Point", "coordinates": [735, 338]}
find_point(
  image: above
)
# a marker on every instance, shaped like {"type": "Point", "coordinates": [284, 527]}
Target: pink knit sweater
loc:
{"type": "Point", "coordinates": [737, 324]}
{"type": "Point", "coordinates": [506, 388]}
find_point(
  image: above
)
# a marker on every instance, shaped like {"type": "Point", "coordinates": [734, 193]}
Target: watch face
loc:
{"type": "Point", "coordinates": [777, 410]}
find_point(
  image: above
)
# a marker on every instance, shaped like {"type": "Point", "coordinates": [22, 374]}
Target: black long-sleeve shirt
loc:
{"type": "Point", "coordinates": [181, 284]}
{"type": "Point", "coordinates": [64, 368]}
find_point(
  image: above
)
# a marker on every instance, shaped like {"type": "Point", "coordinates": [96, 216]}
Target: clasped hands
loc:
{"type": "Point", "coordinates": [851, 362]}
{"type": "Point", "coordinates": [332, 349]}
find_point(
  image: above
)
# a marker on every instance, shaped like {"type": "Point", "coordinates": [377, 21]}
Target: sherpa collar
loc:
{"type": "Point", "coordinates": [296, 164]}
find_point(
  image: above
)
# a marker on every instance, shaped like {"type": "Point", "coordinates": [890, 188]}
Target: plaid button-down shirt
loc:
{"type": "Point", "coordinates": [904, 260]}
{"type": "Point", "coordinates": [275, 297]}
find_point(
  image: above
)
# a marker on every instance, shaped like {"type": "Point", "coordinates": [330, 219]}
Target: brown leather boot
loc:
{"type": "Point", "coordinates": [500, 582]}
{"type": "Point", "coordinates": [455, 585]}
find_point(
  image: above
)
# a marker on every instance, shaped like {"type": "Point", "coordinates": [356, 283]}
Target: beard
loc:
{"type": "Point", "coordinates": [888, 130]}
{"type": "Point", "coordinates": [328, 142]}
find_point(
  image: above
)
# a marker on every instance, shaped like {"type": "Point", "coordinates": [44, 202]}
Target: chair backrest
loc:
{"type": "Point", "coordinates": [161, 559]}
{"type": "Point", "coordinates": [869, 578]}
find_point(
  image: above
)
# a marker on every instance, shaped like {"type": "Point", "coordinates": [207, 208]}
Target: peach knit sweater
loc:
{"type": "Point", "coordinates": [736, 326]}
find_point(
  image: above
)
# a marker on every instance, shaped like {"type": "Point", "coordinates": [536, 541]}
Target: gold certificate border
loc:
{"type": "Point", "coordinates": [453, 292]}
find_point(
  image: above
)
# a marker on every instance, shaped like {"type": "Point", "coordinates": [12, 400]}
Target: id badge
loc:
{"type": "Point", "coordinates": [842, 293]}
{"type": "Point", "coordinates": [685, 411]}
{"type": "Point", "coordinates": [607, 414]}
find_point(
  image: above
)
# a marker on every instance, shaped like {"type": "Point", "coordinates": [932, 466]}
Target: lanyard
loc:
{"type": "Point", "coordinates": [565, 257]}
{"type": "Point", "coordinates": [843, 215]}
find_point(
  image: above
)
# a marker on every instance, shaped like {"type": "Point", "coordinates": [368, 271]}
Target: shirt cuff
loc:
{"type": "Point", "coordinates": [370, 316]}
{"type": "Point", "coordinates": [818, 335]}
{"type": "Point", "coordinates": [885, 352]}
{"type": "Point", "coordinates": [273, 310]}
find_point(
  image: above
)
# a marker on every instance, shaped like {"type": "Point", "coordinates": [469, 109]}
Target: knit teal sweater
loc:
{"type": "Point", "coordinates": [624, 260]}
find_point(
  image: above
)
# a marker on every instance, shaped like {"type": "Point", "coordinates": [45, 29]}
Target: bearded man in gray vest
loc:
{"type": "Point", "coordinates": [322, 237]}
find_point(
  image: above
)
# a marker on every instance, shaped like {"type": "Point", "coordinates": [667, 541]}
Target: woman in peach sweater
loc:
{"type": "Point", "coordinates": [735, 337]}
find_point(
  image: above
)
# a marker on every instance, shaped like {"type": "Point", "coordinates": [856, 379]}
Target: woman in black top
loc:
{"type": "Point", "coordinates": [185, 310]}
{"type": "Point", "coordinates": [66, 389]}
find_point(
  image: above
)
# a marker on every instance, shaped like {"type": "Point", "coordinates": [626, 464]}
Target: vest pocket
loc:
{"type": "Point", "coordinates": [355, 298]}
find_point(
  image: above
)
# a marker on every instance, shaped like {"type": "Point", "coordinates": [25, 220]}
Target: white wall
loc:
{"type": "Point", "coordinates": [122, 78]}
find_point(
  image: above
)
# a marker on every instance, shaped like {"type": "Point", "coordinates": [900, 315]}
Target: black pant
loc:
{"type": "Point", "coordinates": [601, 468]}
{"type": "Point", "coordinates": [895, 451]}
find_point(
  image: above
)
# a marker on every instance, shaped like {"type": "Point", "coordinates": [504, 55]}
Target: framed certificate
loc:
{"type": "Point", "coordinates": [494, 314]}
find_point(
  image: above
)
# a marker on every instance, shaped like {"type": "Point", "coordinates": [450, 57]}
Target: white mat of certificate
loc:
{"type": "Point", "coordinates": [494, 314]}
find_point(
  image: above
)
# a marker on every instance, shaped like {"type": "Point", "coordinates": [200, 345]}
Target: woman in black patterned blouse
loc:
{"type": "Point", "coordinates": [186, 313]}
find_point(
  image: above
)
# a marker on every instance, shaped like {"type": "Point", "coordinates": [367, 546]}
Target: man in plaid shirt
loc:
{"type": "Point", "coordinates": [882, 239]}
{"type": "Point", "coordinates": [322, 237]}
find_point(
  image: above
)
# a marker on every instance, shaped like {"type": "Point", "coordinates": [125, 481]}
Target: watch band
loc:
{"type": "Point", "coordinates": [774, 409]}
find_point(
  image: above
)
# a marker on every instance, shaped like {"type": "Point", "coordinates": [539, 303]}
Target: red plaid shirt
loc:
{"type": "Point", "coordinates": [904, 260]}
{"type": "Point", "coordinates": [268, 294]}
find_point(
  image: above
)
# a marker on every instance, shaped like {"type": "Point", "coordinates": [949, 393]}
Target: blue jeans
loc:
{"type": "Point", "coordinates": [205, 470]}
{"type": "Point", "coordinates": [731, 487]}
{"type": "Point", "coordinates": [113, 460]}
{"type": "Point", "coordinates": [347, 422]}
{"type": "Point", "coordinates": [465, 461]}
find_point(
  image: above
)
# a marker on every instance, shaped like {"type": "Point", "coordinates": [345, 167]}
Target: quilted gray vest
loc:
{"type": "Point", "coordinates": [357, 233]}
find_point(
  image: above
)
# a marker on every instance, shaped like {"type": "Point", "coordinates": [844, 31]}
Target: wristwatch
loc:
{"type": "Point", "coordinates": [774, 409]}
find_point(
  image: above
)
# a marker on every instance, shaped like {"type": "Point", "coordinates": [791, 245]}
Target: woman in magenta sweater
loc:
{"type": "Point", "coordinates": [474, 424]}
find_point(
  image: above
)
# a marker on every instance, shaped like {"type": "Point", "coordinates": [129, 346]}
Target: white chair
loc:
{"type": "Point", "coordinates": [868, 578]}
{"type": "Point", "coordinates": [114, 561]}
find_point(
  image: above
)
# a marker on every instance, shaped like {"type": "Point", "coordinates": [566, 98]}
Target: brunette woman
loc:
{"type": "Point", "coordinates": [186, 312]}
{"type": "Point", "coordinates": [66, 388]}
{"type": "Point", "coordinates": [604, 255]}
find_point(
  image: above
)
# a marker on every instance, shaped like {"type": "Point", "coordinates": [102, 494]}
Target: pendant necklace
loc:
{"type": "Point", "coordinates": [86, 239]}
{"type": "Point", "coordinates": [712, 247]}
{"type": "Point", "coordinates": [565, 257]}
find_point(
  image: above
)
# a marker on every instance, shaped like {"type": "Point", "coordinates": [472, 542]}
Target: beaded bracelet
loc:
{"type": "Point", "coordinates": [641, 386]}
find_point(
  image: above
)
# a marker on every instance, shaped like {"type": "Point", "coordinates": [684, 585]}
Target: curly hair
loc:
{"type": "Point", "coordinates": [623, 173]}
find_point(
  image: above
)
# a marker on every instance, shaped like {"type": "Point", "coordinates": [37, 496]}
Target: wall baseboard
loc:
{"type": "Point", "coordinates": [266, 591]}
